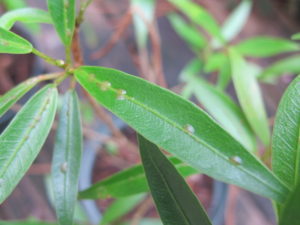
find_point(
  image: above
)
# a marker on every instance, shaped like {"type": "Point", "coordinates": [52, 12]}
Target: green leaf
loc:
{"type": "Point", "coordinates": [266, 46]}
{"type": "Point", "coordinates": [66, 159]}
{"type": "Point", "coordinates": [179, 127]}
{"type": "Point", "coordinates": [279, 68]}
{"type": "Point", "coordinates": [224, 110]}
{"type": "Point", "coordinates": [290, 212]}
{"type": "Point", "coordinates": [15, 4]}
{"type": "Point", "coordinates": [25, 15]}
{"type": "Point", "coordinates": [175, 201]}
{"type": "Point", "coordinates": [128, 182]}
{"type": "Point", "coordinates": [22, 140]}
{"type": "Point", "coordinates": [13, 95]}
{"type": "Point", "coordinates": [224, 76]}
{"type": "Point", "coordinates": [147, 8]}
{"type": "Point", "coordinates": [215, 62]}
{"type": "Point", "coordinates": [236, 20]}
{"type": "Point", "coordinates": [200, 16]}
{"type": "Point", "coordinates": [12, 43]}
{"type": "Point", "coordinates": [296, 37]}
{"type": "Point", "coordinates": [63, 15]}
{"type": "Point", "coordinates": [187, 32]}
{"type": "Point", "coordinates": [120, 207]}
{"type": "Point", "coordinates": [249, 95]}
{"type": "Point", "coordinates": [286, 136]}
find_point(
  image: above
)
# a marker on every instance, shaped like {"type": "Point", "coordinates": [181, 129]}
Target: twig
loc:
{"type": "Point", "coordinates": [125, 21]}
{"type": "Point", "coordinates": [76, 49]}
{"type": "Point", "coordinates": [50, 60]}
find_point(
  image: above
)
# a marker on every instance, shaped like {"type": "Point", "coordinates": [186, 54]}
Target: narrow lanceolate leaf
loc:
{"type": "Point", "coordinates": [13, 95]}
{"type": "Point", "coordinates": [25, 15]}
{"type": "Point", "coordinates": [249, 95]}
{"type": "Point", "coordinates": [128, 182]}
{"type": "Point", "coordinates": [285, 66]}
{"type": "Point", "coordinates": [290, 211]}
{"type": "Point", "coordinates": [179, 127]}
{"type": "Point", "coordinates": [266, 46]}
{"type": "Point", "coordinates": [63, 16]}
{"type": "Point", "coordinates": [187, 32]}
{"type": "Point", "coordinates": [224, 110]}
{"type": "Point", "coordinates": [12, 43]}
{"type": "Point", "coordinates": [120, 207]}
{"type": "Point", "coordinates": [286, 136]}
{"type": "Point", "coordinates": [237, 20]}
{"type": "Point", "coordinates": [22, 140]}
{"type": "Point", "coordinates": [199, 16]}
{"type": "Point", "coordinates": [174, 200]}
{"type": "Point", "coordinates": [147, 9]}
{"type": "Point", "coordinates": [66, 159]}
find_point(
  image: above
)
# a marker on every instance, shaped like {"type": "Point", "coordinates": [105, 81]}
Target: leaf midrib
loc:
{"type": "Point", "coordinates": [199, 141]}
{"type": "Point", "coordinates": [169, 189]}
{"type": "Point", "coordinates": [157, 114]}
{"type": "Point", "coordinates": [69, 116]}
{"type": "Point", "coordinates": [27, 133]}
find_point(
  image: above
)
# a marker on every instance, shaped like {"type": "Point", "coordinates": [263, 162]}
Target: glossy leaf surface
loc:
{"type": "Point", "coordinates": [199, 16]}
{"type": "Point", "coordinates": [120, 207]}
{"type": "Point", "coordinates": [12, 43]}
{"type": "Point", "coordinates": [266, 46]}
{"type": "Point", "coordinates": [281, 67]}
{"type": "Point", "coordinates": [22, 140]}
{"type": "Point", "coordinates": [179, 127]}
{"type": "Point", "coordinates": [63, 16]}
{"type": "Point", "coordinates": [290, 212]}
{"type": "Point", "coordinates": [25, 15]}
{"type": "Point", "coordinates": [249, 95]}
{"type": "Point", "coordinates": [128, 182]}
{"type": "Point", "coordinates": [187, 32]}
{"type": "Point", "coordinates": [174, 200]}
{"type": "Point", "coordinates": [286, 136]}
{"type": "Point", "coordinates": [13, 95]}
{"type": "Point", "coordinates": [66, 159]}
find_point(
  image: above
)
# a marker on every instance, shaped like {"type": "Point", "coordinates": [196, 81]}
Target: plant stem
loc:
{"type": "Point", "coordinates": [49, 76]}
{"type": "Point", "coordinates": [68, 55]}
{"type": "Point", "coordinates": [48, 59]}
{"type": "Point", "coordinates": [83, 7]}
